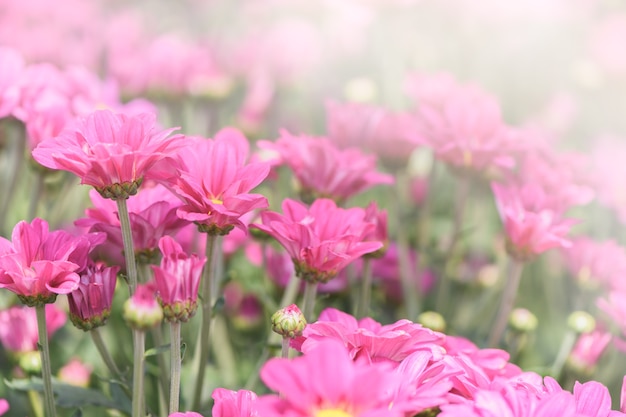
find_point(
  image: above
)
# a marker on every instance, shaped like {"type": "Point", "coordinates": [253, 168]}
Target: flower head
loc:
{"type": "Point", "coordinates": [214, 182]}
{"type": "Point", "coordinates": [18, 327]}
{"type": "Point", "coordinates": [288, 321]}
{"type": "Point", "coordinates": [39, 264]}
{"type": "Point", "coordinates": [112, 152]}
{"type": "Point", "coordinates": [90, 303]}
{"type": "Point", "coordinates": [177, 280]}
{"type": "Point", "coordinates": [141, 310]}
{"type": "Point", "coordinates": [229, 403]}
{"type": "Point", "coordinates": [321, 239]}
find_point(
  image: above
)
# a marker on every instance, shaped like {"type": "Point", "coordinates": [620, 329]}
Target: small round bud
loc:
{"type": "Point", "coordinates": [142, 311]}
{"type": "Point", "coordinates": [288, 321]}
{"type": "Point", "coordinates": [30, 362]}
{"type": "Point", "coordinates": [432, 320]}
{"type": "Point", "coordinates": [581, 322]}
{"type": "Point", "coordinates": [522, 320]}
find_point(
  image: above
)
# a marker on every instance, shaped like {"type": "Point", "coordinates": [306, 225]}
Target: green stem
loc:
{"type": "Point", "coordinates": [366, 289]}
{"type": "Point", "coordinates": [139, 343]}
{"type": "Point", "coordinates": [129, 251]}
{"type": "Point", "coordinates": [308, 305]}
{"type": "Point", "coordinates": [46, 373]}
{"type": "Point", "coordinates": [175, 365]}
{"type": "Point", "coordinates": [567, 344]}
{"type": "Point", "coordinates": [224, 355]}
{"type": "Point", "coordinates": [411, 298]}
{"type": "Point", "coordinates": [507, 302]}
{"type": "Point", "coordinates": [157, 339]}
{"type": "Point", "coordinates": [35, 403]}
{"type": "Point", "coordinates": [16, 155]}
{"type": "Point", "coordinates": [104, 353]}
{"type": "Point", "coordinates": [284, 351]}
{"type": "Point", "coordinates": [203, 342]}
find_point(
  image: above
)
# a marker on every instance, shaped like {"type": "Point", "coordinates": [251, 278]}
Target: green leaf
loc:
{"type": "Point", "coordinates": [157, 350]}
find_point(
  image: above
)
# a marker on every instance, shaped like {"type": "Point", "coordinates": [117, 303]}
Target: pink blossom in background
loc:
{"type": "Point", "coordinates": [216, 195]}
{"type": "Point", "coordinates": [108, 151]}
{"type": "Point", "coordinates": [18, 326]}
{"type": "Point", "coordinates": [588, 350]}
{"type": "Point", "coordinates": [532, 226]}
{"type": "Point", "coordinates": [325, 171]}
{"type": "Point", "coordinates": [90, 304]}
{"type": "Point", "coordinates": [38, 264]}
{"type": "Point", "coordinates": [229, 403]}
{"type": "Point", "coordinates": [321, 239]}
{"type": "Point", "coordinates": [4, 406]}
{"type": "Point", "coordinates": [177, 280]}
{"type": "Point", "coordinates": [242, 306]}
{"type": "Point", "coordinates": [369, 340]}
{"type": "Point", "coordinates": [185, 414]}
{"type": "Point", "coordinates": [593, 263]}
{"type": "Point", "coordinates": [607, 169]}
{"type": "Point", "coordinates": [75, 373]}
{"type": "Point", "coordinates": [260, 93]}
{"type": "Point", "coordinates": [152, 215]}
{"type": "Point", "coordinates": [308, 385]}
{"type": "Point", "coordinates": [605, 46]}
{"type": "Point", "coordinates": [380, 233]}
{"type": "Point", "coordinates": [10, 72]}
{"type": "Point", "coordinates": [615, 307]}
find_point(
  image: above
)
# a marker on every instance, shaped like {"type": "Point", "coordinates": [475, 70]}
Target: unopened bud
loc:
{"type": "Point", "coordinates": [523, 320]}
{"type": "Point", "coordinates": [289, 321]}
{"type": "Point", "coordinates": [432, 320]}
{"type": "Point", "coordinates": [581, 322]}
{"type": "Point", "coordinates": [30, 362]}
{"type": "Point", "coordinates": [142, 311]}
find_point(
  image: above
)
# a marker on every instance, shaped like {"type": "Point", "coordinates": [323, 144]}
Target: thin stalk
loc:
{"type": "Point", "coordinates": [157, 338]}
{"type": "Point", "coordinates": [35, 195]}
{"type": "Point", "coordinates": [203, 343]}
{"type": "Point", "coordinates": [567, 344]}
{"type": "Point", "coordinates": [139, 343]}
{"type": "Point", "coordinates": [284, 351]}
{"type": "Point", "coordinates": [129, 250]}
{"type": "Point", "coordinates": [224, 354]}
{"type": "Point", "coordinates": [175, 366]}
{"type": "Point", "coordinates": [308, 305]}
{"type": "Point", "coordinates": [366, 289]}
{"type": "Point", "coordinates": [411, 300]}
{"type": "Point", "coordinates": [35, 403]}
{"type": "Point", "coordinates": [507, 301]}
{"type": "Point", "coordinates": [104, 353]}
{"type": "Point", "coordinates": [46, 373]}
{"type": "Point", "coordinates": [14, 173]}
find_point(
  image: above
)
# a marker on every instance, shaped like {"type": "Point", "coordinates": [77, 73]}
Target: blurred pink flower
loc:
{"type": "Point", "coordinates": [309, 386]}
{"type": "Point", "coordinates": [38, 264]}
{"type": "Point", "coordinates": [4, 406]}
{"type": "Point", "coordinates": [380, 233]}
{"type": "Point", "coordinates": [592, 263]}
{"type": "Point", "coordinates": [325, 171]}
{"type": "Point", "coordinates": [587, 351]}
{"type": "Point", "coordinates": [321, 239]}
{"type": "Point", "coordinates": [90, 303]}
{"type": "Point", "coordinates": [532, 226]}
{"type": "Point", "coordinates": [10, 72]}
{"type": "Point", "coordinates": [214, 182]}
{"type": "Point", "coordinates": [177, 280]}
{"type": "Point", "coordinates": [18, 327]}
{"type": "Point", "coordinates": [185, 414]}
{"type": "Point", "coordinates": [112, 152]}
{"type": "Point", "coordinates": [615, 308]}
{"type": "Point", "coordinates": [75, 373]}
{"type": "Point", "coordinates": [369, 340]}
{"type": "Point", "coordinates": [152, 215]}
{"type": "Point", "coordinates": [229, 403]}
{"type": "Point", "coordinates": [142, 310]}
{"type": "Point", "coordinates": [604, 44]}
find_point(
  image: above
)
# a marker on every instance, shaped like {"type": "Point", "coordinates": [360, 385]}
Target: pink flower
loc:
{"type": "Point", "coordinates": [214, 182]}
{"type": "Point", "coordinates": [90, 303]}
{"type": "Point", "coordinates": [381, 233]}
{"type": "Point", "coordinates": [588, 350]}
{"type": "Point", "coordinates": [38, 264]}
{"type": "Point", "coordinates": [615, 308]}
{"type": "Point", "coordinates": [152, 215]}
{"type": "Point", "coordinates": [594, 264]}
{"type": "Point", "coordinates": [4, 406]}
{"type": "Point", "coordinates": [177, 280]}
{"type": "Point", "coordinates": [18, 327]}
{"type": "Point", "coordinates": [369, 339]}
{"type": "Point", "coordinates": [12, 66]}
{"type": "Point", "coordinates": [322, 239]}
{"type": "Point", "coordinates": [141, 310]}
{"type": "Point", "coordinates": [229, 403]}
{"type": "Point", "coordinates": [75, 373]}
{"type": "Point", "coordinates": [323, 170]}
{"type": "Point", "coordinates": [532, 227]}
{"type": "Point", "coordinates": [112, 152]}
{"type": "Point", "coordinates": [185, 414]}
{"type": "Point", "coordinates": [309, 386]}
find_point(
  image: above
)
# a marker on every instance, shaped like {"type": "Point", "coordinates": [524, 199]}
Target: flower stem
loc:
{"type": "Point", "coordinates": [46, 373]}
{"type": "Point", "coordinates": [139, 343]}
{"type": "Point", "coordinates": [35, 195]}
{"type": "Point", "coordinates": [507, 302]}
{"type": "Point", "coordinates": [129, 251]}
{"type": "Point", "coordinates": [308, 305]}
{"type": "Point", "coordinates": [366, 289]}
{"type": "Point", "coordinates": [203, 343]}
{"type": "Point", "coordinates": [569, 340]}
{"type": "Point", "coordinates": [14, 173]}
{"type": "Point", "coordinates": [284, 351]}
{"type": "Point", "coordinates": [411, 297]}
{"type": "Point", "coordinates": [175, 365]}
{"type": "Point", "coordinates": [104, 352]}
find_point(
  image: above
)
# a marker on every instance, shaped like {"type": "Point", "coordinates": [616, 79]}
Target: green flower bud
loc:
{"type": "Point", "coordinates": [581, 322]}
{"type": "Point", "coordinates": [288, 321]}
{"type": "Point", "coordinates": [432, 320]}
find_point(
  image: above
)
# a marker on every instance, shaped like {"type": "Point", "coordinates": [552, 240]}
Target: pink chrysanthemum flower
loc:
{"type": "Point", "coordinates": [322, 239]}
{"type": "Point", "coordinates": [76, 373]}
{"type": "Point", "coordinates": [112, 152]}
{"type": "Point", "coordinates": [532, 226]}
{"type": "Point", "coordinates": [38, 264]}
{"type": "Point", "coordinates": [588, 350]}
{"type": "Point", "coordinates": [177, 280]}
{"type": "Point", "coordinates": [10, 71]}
{"type": "Point", "coordinates": [370, 340]}
{"type": "Point", "coordinates": [152, 215]}
{"type": "Point", "coordinates": [229, 403]}
{"type": "Point", "coordinates": [325, 171]}
{"type": "Point", "coordinates": [4, 406]}
{"type": "Point", "coordinates": [309, 386]}
{"type": "Point", "coordinates": [593, 264]}
{"type": "Point", "coordinates": [18, 327]}
{"type": "Point", "coordinates": [90, 303]}
{"type": "Point", "coordinates": [214, 182]}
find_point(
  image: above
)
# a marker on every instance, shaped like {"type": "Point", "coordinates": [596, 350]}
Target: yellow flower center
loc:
{"type": "Point", "coordinates": [332, 412]}
{"type": "Point", "coordinates": [217, 201]}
